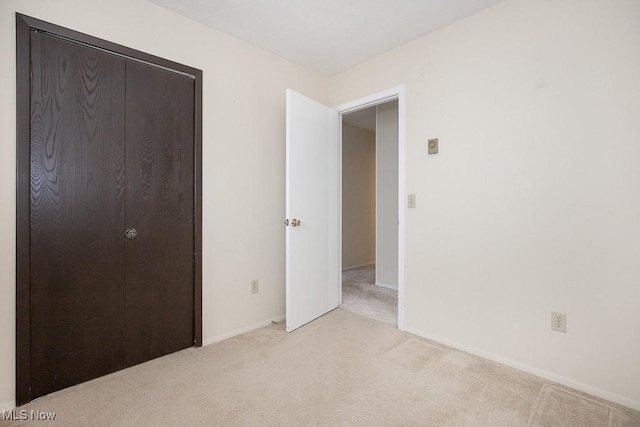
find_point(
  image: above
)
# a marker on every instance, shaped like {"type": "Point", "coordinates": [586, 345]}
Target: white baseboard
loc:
{"type": "Point", "coordinates": [384, 285]}
{"type": "Point", "coordinates": [352, 267]}
{"type": "Point", "coordinates": [8, 406]}
{"type": "Point", "coordinates": [586, 388]}
{"type": "Point", "coordinates": [241, 331]}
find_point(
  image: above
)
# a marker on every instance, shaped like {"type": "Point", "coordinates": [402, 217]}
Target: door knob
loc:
{"type": "Point", "coordinates": [295, 222]}
{"type": "Point", "coordinates": [131, 233]}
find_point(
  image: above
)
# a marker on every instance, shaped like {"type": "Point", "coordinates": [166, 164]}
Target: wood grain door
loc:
{"type": "Point", "coordinates": [159, 263]}
{"type": "Point", "coordinates": [77, 214]}
{"type": "Point", "coordinates": [112, 148]}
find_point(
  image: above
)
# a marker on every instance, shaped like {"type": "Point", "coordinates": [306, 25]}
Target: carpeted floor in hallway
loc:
{"type": "Point", "coordinates": [361, 295]}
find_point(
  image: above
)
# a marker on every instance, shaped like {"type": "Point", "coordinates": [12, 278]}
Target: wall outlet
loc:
{"type": "Point", "coordinates": [254, 286]}
{"type": "Point", "coordinates": [559, 322]}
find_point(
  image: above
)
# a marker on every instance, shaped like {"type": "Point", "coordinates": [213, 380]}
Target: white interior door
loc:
{"type": "Point", "coordinates": [312, 209]}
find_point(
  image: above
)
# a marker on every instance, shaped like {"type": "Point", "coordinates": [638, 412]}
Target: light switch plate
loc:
{"type": "Point", "coordinates": [432, 145]}
{"type": "Point", "coordinates": [412, 201]}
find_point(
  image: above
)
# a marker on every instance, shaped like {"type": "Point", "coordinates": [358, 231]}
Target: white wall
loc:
{"type": "Point", "coordinates": [387, 195]}
{"type": "Point", "coordinates": [533, 202]}
{"type": "Point", "coordinates": [243, 155]}
{"type": "Point", "coordinates": [358, 196]}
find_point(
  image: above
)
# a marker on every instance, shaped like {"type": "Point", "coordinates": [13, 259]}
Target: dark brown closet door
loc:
{"type": "Point", "coordinates": [160, 259]}
{"type": "Point", "coordinates": [77, 214]}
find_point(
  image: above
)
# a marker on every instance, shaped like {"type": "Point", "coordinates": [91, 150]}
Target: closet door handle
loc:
{"type": "Point", "coordinates": [131, 233]}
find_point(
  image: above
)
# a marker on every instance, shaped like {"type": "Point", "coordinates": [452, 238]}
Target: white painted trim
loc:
{"type": "Point", "coordinates": [395, 93]}
{"type": "Point", "coordinates": [7, 406]}
{"type": "Point", "coordinates": [340, 212]}
{"type": "Point", "coordinates": [371, 100]}
{"type": "Point", "coordinates": [384, 285]}
{"type": "Point", "coordinates": [401, 205]}
{"type": "Point", "coordinates": [353, 267]}
{"type": "Point", "coordinates": [241, 331]}
{"type": "Point", "coordinates": [586, 388]}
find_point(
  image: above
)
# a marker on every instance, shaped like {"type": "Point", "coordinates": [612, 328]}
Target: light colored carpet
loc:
{"type": "Point", "coordinates": [341, 369]}
{"type": "Point", "coordinates": [361, 295]}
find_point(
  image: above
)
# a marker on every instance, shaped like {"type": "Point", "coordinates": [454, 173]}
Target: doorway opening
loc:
{"type": "Point", "coordinates": [314, 204]}
{"type": "Point", "coordinates": [369, 214]}
{"type": "Point", "coordinates": [372, 187]}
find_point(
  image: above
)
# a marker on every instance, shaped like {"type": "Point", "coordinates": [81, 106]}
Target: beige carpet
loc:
{"type": "Point", "coordinates": [342, 369]}
{"type": "Point", "coordinates": [362, 296]}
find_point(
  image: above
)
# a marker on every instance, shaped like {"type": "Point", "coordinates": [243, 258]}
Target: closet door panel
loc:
{"type": "Point", "coordinates": [160, 258]}
{"type": "Point", "coordinates": [77, 185]}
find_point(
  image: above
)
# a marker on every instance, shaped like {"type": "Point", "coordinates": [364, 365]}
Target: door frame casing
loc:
{"type": "Point", "coordinates": [392, 94]}
{"type": "Point", "coordinates": [24, 26]}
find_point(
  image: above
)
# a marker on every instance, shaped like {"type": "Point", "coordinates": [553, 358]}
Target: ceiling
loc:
{"type": "Point", "coordinates": [326, 35]}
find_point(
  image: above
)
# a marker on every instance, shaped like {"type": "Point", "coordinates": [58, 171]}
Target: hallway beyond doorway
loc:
{"type": "Point", "coordinates": [361, 295]}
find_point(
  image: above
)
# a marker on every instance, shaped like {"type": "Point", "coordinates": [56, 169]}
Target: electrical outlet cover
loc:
{"type": "Point", "coordinates": [559, 322]}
